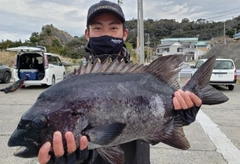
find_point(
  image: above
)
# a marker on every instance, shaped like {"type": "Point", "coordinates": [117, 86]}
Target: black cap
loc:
{"type": "Point", "coordinates": [105, 6]}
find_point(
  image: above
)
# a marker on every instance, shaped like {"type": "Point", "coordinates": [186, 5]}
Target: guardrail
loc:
{"type": "Point", "coordinates": [186, 73]}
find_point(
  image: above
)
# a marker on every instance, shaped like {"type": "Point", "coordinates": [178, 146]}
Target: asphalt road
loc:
{"type": "Point", "coordinates": [214, 137]}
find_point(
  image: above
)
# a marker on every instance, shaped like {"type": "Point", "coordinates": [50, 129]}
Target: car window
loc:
{"type": "Point", "coordinates": [39, 59]}
{"type": "Point", "coordinates": [223, 64]}
{"type": "Point", "coordinates": [58, 61]}
{"type": "Point", "coordinates": [198, 64]}
{"type": "Point", "coordinates": [54, 60]}
{"type": "Point", "coordinates": [49, 58]}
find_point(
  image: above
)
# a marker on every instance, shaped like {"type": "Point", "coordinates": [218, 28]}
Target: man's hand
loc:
{"type": "Point", "coordinates": [187, 105]}
{"type": "Point", "coordinates": [43, 154]}
{"type": "Point", "coordinates": [185, 100]}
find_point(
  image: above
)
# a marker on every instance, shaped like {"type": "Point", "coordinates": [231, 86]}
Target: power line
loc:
{"type": "Point", "coordinates": [226, 11]}
{"type": "Point", "coordinates": [150, 13]}
{"type": "Point", "coordinates": [213, 16]}
{"type": "Point", "coordinates": [220, 16]}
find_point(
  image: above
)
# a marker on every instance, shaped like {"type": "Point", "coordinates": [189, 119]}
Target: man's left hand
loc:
{"type": "Point", "coordinates": [185, 100]}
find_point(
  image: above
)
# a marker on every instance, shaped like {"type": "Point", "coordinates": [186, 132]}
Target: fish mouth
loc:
{"type": "Point", "coordinates": [21, 151]}
{"type": "Point", "coordinates": [27, 149]}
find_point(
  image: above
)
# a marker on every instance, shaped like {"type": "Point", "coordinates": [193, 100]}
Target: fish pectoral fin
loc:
{"type": "Point", "coordinates": [114, 155]}
{"type": "Point", "coordinates": [104, 134]}
{"type": "Point", "coordinates": [171, 135]}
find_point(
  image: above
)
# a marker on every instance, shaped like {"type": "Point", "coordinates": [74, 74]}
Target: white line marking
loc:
{"type": "Point", "coordinates": [224, 146]}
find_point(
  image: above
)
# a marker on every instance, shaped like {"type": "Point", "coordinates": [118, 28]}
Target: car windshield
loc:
{"type": "Point", "coordinates": [199, 63]}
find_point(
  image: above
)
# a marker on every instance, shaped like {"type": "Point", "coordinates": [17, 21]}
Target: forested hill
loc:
{"type": "Point", "coordinates": [165, 28]}
{"type": "Point", "coordinates": [229, 50]}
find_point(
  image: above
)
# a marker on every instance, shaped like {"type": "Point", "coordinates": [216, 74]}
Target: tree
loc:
{"type": "Point", "coordinates": [185, 20]}
{"type": "Point", "coordinates": [34, 38]}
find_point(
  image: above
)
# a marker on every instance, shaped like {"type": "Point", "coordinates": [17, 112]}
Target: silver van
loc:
{"type": "Point", "coordinates": [224, 72]}
{"type": "Point", "coordinates": [40, 67]}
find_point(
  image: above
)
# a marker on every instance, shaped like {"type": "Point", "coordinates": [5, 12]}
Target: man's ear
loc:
{"type": "Point", "coordinates": [87, 34]}
{"type": "Point", "coordinates": [125, 34]}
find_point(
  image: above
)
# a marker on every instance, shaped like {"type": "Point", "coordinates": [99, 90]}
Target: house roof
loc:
{"type": "Point", "coordinates": [203, 49]}
{"type": "Point", "coordinates": [201, 43]}
{"type": "Point", "coordinates": [179, 40]}
{"type": "Point", "coordinates": [164, 44]}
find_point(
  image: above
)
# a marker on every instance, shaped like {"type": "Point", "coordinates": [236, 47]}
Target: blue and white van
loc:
{"type": "Point", "coordinates": [40, 67]}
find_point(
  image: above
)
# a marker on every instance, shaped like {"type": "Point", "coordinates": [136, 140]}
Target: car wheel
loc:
{"type": "Point", "coordinates": [6, 77]}
{"type": "Point", "coordinates": [230, 87]}
{"type": "Point", "coordinates": [53, 80]}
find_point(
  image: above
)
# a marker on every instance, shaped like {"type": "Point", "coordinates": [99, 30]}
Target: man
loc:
{"type": "Point", "coordinates": [106, 33]}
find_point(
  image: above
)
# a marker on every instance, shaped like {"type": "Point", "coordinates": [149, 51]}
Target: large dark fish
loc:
{"type": "Point", "coordinates": [114, 103]}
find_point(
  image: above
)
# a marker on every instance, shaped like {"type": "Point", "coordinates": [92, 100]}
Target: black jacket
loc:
{"type": "Point", "coordinates": [136, 152]}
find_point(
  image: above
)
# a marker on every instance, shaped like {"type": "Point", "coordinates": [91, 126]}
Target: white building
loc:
{"type": "Point", "coordinates": [190, 47]}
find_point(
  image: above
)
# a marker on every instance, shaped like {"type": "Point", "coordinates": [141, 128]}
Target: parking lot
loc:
{"type": "Point", "coordinates": [214, 137]}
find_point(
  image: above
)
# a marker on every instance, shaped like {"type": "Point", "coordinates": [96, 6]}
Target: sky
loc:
{"type": "Point", "coordinates": [20, 18]}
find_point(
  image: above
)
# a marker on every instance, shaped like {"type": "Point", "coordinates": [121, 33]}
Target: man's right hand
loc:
{"type": "Point", "coordinates": [43, 154]}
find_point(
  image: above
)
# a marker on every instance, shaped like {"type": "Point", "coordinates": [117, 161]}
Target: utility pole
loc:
{"type": "Point", "coordinates": [120, 2]}
{"type": "Point", "coordinates": [148, 48]}
{"type": "Point", "coordinates": [148, 43]}
{"type": "Point", "coordinates": [224, 32]}
{"type": "Point", "coordinates": [137, 39]}
{"type": "Point", "coordinates": [141, 31]}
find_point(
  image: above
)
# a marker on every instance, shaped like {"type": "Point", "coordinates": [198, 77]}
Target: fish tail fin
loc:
{"type": "Point", "coordinates": [199, 84]}
{"type": "Point", "coordinates": [17, 85]}
{"type": "Point", "coordinates": [172, 135]}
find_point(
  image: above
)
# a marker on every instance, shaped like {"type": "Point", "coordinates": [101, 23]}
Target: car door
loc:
{"type": "Point", "coordinates": [58, 68]}
{"type": "Point", "coordinates": [1, 70]}
{"type": "Point", "coordinates": [61, 69]}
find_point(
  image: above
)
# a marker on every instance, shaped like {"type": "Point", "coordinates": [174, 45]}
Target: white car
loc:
{"type": "Point", "coordinates": [224, 72]}
{"type": "Point", "coordinates": [40, 67]}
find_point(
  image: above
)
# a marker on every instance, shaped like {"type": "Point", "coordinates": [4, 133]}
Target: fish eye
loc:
{"type": "Point", "coordinates": [39, 122]}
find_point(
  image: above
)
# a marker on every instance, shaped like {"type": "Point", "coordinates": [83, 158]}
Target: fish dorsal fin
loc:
{"type": "Point", "coordinates": [166, 69]}
{"type": "Point", "coordinates": [96, 67]}
{"type": "Point", "coordinates": [109, 66]}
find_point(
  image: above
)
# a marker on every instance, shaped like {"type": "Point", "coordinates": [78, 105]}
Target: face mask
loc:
{"type": "Point", "coordinates": [105, 45]}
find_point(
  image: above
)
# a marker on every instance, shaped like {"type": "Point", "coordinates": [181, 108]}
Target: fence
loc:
{"type": "Point", "coordinates": [187, 73]}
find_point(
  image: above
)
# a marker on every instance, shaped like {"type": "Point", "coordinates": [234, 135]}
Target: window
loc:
{"type": "Point", "coordinates": [180, 50]}
{"type": "Point", "coordinates": [54, 60]}
{"type": "Point", "coordinates": [58, 61]}
{"type": "Point", "coordinates": [221, 64]}
{"type": "Point", "coordinates": [49, 59]}
{"type": "Point", "coordinates": [165, 50]}
{"type": "Point", "coordinates": [199, 63]}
